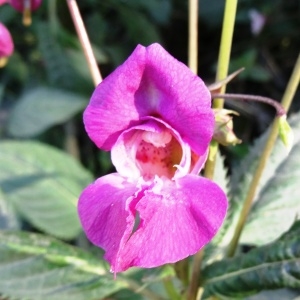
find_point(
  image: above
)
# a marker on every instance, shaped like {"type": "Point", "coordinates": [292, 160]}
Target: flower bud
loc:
{"type": "Point", "coordinates": [285, 132]}
{"type": "Point", "coordinates": [223, 132]}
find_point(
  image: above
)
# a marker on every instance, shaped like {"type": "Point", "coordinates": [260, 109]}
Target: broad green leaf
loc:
{"type": "Point", "coordinates": [278, 294]}
{"type": "Point", "coordinates": [37, 267]}
{"type": "Point", "coordinates": [41, 108]}
{"type": "Point", "coordinates": [277, 205]}
{"type": "Point", "coordinates": [78, 61]}
{"type": "Point", "coordinates": [240, 181]}
{"type": "Point", "coordinates": [273, 266]}
{"type": "Point", "coordinates": [43, 184]}
{"type": "Point", "coordinates": [59, 70]}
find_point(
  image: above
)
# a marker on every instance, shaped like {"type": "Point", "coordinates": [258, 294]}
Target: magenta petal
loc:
{"type": "Point", "coordinates": [176, 221]}
{"type": "Point", "coordinates": [104, 213]}
{"type": "Point", "coordinates": [151, 83]}
{"type": "Point", "coordinates": [19, 4]}
{"type": "Point", "coordinates": [6, 42]}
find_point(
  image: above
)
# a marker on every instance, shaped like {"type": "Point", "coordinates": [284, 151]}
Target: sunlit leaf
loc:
{"type": "Point", "coordinates": [8, 215]}
{"type": "Point", "coordinates": [41, 108]}
{"type": "Point", "coordinates": [37, 267]}
{"type": "Point", "coordinates": [43, 184]}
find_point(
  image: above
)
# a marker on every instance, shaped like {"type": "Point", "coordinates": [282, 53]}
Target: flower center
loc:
{"type": "Point", "coordinates": [157, 154]}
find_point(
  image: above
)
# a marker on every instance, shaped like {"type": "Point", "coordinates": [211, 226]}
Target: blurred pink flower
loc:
{"type": "Point", "coordinates": [6, 45]}
{"type": "Point", "coordinates": [155, 116]}
{"type": "Point", "coordinates": [20, 5]}
{"type": "Point", "coordinates": [26, 7]}
{"type": "Point", "coordinates": [257, 21]}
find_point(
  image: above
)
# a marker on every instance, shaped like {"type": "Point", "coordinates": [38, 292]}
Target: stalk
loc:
{"type": "Point", "coordinates": [193, 36]}
{"type": "Point", "coordinates": [222, 71]}
{"type": "Point", "coordinates": [84, 41]}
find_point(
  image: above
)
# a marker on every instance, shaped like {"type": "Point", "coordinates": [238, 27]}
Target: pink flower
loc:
{"type": "Point", "coordinates": [6, 44]}
{"type": "Point", "coordinates": [257, 21]}
{"type": "Point", "coordinates": [154, 115]}
{"type": "Point", "coordinates": [26, 7]}
{"type": "Point", "coordinates": [21, 5]}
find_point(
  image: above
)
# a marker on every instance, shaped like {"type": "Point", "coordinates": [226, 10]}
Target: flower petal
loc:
{"type": "Point", "coordinates": [151, 83]}
{"type": "Point", "coordinates": [176, 221]}
{"type": "Point", "coordinates": [6, 42]}
{"type": "Point", "coordinates": [19, 4]}
{"type": "Point", "coordinates": [105, 214]}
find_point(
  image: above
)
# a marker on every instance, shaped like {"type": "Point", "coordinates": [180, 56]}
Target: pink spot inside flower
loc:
{"type": "Point", "coordinates": [157, 153]}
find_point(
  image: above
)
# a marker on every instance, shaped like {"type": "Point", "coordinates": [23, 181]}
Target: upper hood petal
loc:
{"type": "Point", "coordinates": [151, 83]}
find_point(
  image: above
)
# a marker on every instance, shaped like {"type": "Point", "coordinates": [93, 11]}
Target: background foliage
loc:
{"type": "Point", "coordinates": [46, 157]}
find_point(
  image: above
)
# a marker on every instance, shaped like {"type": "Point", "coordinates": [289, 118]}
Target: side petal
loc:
{"type": "Point", "coordinates": [111, 109]}
{"type": "Point", "coordinates": [151, 83]}
{"type": "Point", "coordinates": [178, 96]}
{"type": "Point", "coordinates": [105, 214]}
{"type": "Point", "coordinates": [176, 221]}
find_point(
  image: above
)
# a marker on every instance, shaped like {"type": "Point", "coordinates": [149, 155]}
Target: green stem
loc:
{"type": "Point", "coordinates": [286, 102]}
{"type": "Point", "coordinates": [182, 267]}
{"type": "Point", "coordinates": [85, 41]}
{"type": "Point", "coordinates": [52, 16]}
{"type": "Point", "coordinates": [182, 271]}
{"type": "Point", "coordinates": [170, 289]}
{"type": "Point", "coordinates": [135, 287]}
{"type": "Point", "coordinates": [193, 36]}
{"type": "Point", "coordinates": [222, 71]}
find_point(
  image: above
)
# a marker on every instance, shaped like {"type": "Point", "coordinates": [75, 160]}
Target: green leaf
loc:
{"type": "Point", "coordinates": [8, 215]}
{"type": "Point", "coordinates": [240, 181]}
{"type": "Point", "coordinates": [41, 108]}
{"type": "Point", "coordinates": [220, 173]}
{"type": "Point", "coordinates": [78, 61]}
{"type": "Point", "coordinates": [278, 294]}
{"type": "Point", "coordinates": [43, 184]}
{"type": "Point", "coordinates": [273, 266]}
{"type": "Point", "coordinates": [277, 205]}
{"type": "Point", "coordinates": [36, 267]}
{"type": "Point", "coordinates": [59, 70]}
